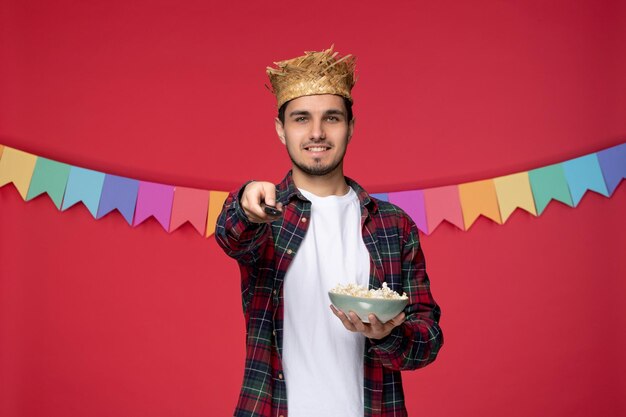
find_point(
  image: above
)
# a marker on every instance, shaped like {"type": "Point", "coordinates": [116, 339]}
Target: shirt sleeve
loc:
{"type": "Point", "coordinates": [416, 342]}
{"type": "Point", "coordinates": [240, 238]}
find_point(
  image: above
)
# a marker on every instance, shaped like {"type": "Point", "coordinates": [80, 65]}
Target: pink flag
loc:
{"type": "Point", "coordinates": [154, 200]}
{"type": "Point", "coordinates": [412, 202]}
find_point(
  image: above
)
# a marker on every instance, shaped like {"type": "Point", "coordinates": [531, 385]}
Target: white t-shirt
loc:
{"type": "Point", "coordinates": [322, 361]}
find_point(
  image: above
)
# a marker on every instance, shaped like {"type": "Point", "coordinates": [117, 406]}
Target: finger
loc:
{"type": "Point", "coordinates": [394, 322]}
{"type": "Point", "coordinates": [254, 211]}
{"type": "Point", "coordinates": [254, 206]}
{"type": "Point", "coordinates": [356, 321]}
{"type": "Point", "coordinates": [257, 211]}
{"type": "Point", "coordinates": [245, 205]}
{"type": "Point", "coordinates": [248, 202]}
{"type": "Point", "coordinates": [377, 325]}
{"type": "Point", "coordinates": [269, 194]}
{"type": "Point", "coordinates": [398, 320]}
{"type": "Point", "coordinates": [264, 196]}
{"type": "Point", "coordinates": [344, 319]}
{"type": "Point", "coordinates": [269, 199]}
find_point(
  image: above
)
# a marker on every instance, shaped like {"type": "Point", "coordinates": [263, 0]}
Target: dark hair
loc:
{"type": "Point", "coordinates": [346, 102]}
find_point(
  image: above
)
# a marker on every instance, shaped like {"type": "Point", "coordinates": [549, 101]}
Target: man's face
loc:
{"type": "Point", "coordinates": [316, 133]}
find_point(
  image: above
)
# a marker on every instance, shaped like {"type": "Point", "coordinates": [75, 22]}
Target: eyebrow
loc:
{"type": "Point", "coordinates": [307, 113]}
{"type": "Point", "coordinates": [335, 111]}
{"type": "Point", "coordinates": [299, 113]}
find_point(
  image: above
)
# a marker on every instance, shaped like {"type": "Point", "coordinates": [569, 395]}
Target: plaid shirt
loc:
{"type": "Point", "coordinates": [264, 253]}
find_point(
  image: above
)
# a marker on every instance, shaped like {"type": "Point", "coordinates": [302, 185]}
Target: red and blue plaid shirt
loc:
{"type": "Point", "coordinates": [264, 253]}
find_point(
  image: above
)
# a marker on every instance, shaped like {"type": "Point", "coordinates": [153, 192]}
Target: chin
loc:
{"type": "Point", "coordinates": [318, 171]}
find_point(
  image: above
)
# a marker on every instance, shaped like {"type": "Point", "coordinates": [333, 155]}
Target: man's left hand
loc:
{"type": "Point", "coordinates": [375, 329]}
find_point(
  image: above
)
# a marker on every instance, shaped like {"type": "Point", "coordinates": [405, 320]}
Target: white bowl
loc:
{"type": "Point", "coordinates": [383, 308]}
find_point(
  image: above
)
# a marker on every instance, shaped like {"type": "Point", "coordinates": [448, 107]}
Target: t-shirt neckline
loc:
{"type": "Point", "coordinates": [350, 195]}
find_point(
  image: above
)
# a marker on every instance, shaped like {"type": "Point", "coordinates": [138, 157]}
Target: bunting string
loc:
{"type": "Point", "coordinates": [172, 205]}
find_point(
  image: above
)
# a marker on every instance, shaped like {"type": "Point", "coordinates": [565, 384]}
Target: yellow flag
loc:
{"type": "Point", "coordinates": [17, 167]}
{"type": "Point", "coordinates": [514, 191]}
{"type": "Point", "coordinates": [216, 201]}
{"type": "Point", "coordinates": [478, 198]}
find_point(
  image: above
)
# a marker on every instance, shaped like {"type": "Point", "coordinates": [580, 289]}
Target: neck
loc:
{"type": "Point", "coordinates": [333, 183]}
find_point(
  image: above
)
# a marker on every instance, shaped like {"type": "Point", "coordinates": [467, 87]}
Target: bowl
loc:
{"type": "Point", "coordinates": [384, 308]}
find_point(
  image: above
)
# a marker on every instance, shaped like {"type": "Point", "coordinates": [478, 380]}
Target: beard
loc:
{"type": "Point", "coordinates": [317, 168]}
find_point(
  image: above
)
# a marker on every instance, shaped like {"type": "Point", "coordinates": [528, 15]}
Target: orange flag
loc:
{"type": "Point", "coordinates": [479, 197]}
{"type": "Point", "coordinates": [216, 201]}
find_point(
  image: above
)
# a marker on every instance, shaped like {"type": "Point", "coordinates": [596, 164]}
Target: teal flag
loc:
{"type": "Point", "coordinates": [49, 177]}
{"type": "Point", "coordinates": [84, 185]}
{"type": "Point", "coordinates": [549, 183]}
{"type": "Point", "coordinates": [584, 174]}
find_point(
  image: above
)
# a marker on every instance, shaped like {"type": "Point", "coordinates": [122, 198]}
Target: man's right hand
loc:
{"type": "Point", "coordinates": [253, 195]}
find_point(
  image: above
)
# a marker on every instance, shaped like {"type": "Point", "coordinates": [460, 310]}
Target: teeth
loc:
{"type": "Point", "coordinates": [317, 149]}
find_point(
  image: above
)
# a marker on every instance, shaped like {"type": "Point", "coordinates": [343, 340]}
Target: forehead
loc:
{"type": "Point", "coordinates": [316, 103]}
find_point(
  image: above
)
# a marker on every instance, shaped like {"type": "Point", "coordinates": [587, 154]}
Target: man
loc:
{"type": "Point", "coordinates": [304, 359]}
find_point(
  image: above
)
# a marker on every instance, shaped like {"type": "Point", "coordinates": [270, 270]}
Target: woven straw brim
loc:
{"type": "Point", "coordinates": [313, 73]}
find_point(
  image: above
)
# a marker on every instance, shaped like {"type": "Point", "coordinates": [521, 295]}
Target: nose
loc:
{"type": "Point", "coordinates": [317, 131]}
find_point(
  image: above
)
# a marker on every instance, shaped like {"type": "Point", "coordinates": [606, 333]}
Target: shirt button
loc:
{"type": "Point", "coordinates": [280, 376]}
{"type": "Point", "coordinates": [274, 332]}
{"type": "Point", "coordinates": [303, 220]}
{"type": "Point", "coordinates": [274, 292]}
{"type": "Point", "coordinates": [289, 251]}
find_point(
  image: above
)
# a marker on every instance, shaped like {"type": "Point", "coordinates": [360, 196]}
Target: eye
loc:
{"type": "Point", "coordinates": [300, 119]}
{"type": "Point", "coordinates": [332, 118]}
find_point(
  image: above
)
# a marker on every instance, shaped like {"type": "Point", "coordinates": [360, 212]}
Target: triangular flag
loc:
{"type": "Point", "coordinates": [514, 191]}
{"type": "Point", "coordinates": [549, 183]}
{"type": "Point", "coordinates": [154, 199]}
{"type": "Point", "coordinates": [190, 204]}
{"type": "Point", "coordinates": [17, 167]}
{"type": "Point", "coordinates": [84, 185]}
{"type": "Point", "coordinates": [479, 197]}
{"type": "Point", "coordinates": [216, 202]}
{"type": "Point", "coordinates": [412, 202]}
{"type": "Point", "coordinates": [49, 177]}
{"type": "Point", "coordinates": [584, 174]}
{"type": "Point", "coordinates": [118, 193]}
{"type": "Point", "coordinates": [381, 196]}
{"type": "Point", "coordinates": [442, 203]}
{"type": "Point", "coordinates": [613, 165]}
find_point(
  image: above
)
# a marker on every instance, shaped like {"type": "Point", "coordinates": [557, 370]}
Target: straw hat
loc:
{"type": "Point", "coordinates": [313, 73]}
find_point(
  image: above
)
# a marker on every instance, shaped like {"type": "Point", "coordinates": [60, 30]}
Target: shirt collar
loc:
{"type": "Point", "coordinates": [287, 191]}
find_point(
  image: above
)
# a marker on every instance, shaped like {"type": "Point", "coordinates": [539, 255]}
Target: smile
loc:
{"type": "Point", "coordinates": [317, 148]}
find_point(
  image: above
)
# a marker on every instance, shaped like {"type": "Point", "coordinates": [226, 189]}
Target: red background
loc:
{"type": "Point", "coordinates": [99, 319]}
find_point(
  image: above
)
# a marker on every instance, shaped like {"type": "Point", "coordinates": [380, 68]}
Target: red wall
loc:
{"type": "Point", "coordinates": [99, 319]}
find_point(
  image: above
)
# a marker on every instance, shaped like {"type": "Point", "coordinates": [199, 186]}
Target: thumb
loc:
{"type": "Point", "coordinates": [270, 194]}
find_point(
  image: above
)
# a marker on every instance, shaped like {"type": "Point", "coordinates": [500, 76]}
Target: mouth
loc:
{"type": "Point", "coordinates": [317, 149]}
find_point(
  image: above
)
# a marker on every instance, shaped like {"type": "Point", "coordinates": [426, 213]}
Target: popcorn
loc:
{"type": "Point", "coordinates": [356, 290]}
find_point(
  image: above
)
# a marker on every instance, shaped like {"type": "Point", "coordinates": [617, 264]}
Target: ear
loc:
{"type": "Point", "coordinates": [350, 129]}
{"type": "Point", "coordinates": [280, 129]}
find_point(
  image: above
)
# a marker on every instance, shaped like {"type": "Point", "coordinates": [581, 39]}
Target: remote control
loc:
{"type": "Point", "coordinates": [271, 210]}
